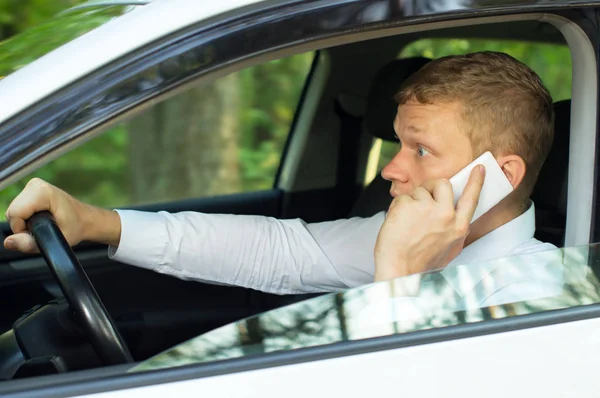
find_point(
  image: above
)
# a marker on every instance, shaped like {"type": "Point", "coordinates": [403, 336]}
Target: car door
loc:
{"type": "Point", "coordinates": [198, 151]}
{"type": "Point", "coordinates": [378, 338]}
{"type": "Point", "coordinates": [215, 148]}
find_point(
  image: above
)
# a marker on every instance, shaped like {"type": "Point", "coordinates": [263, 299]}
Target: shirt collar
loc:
{"type": "Point", "coordinates": [472, 264]}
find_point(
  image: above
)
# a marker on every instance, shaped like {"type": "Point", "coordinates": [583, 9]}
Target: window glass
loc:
{"type": "Point", "coordinates": [551, 62]}
{"type": "Point", "coordinates": [225, 136]}
{"type": "Point", "coordinates": [467, 294]}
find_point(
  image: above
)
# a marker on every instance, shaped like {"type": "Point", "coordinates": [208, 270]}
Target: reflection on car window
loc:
{"type": "Point", "coordinates": [543, 281]}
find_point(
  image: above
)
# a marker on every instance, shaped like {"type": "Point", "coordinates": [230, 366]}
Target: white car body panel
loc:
{"type": "Point", "coordinates": [550, 361]}
{"type": "Point", "coordinates": [101, 46]}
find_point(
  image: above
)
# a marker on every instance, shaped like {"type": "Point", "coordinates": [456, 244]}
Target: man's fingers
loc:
{"type": "Point", "coordinates": [421, 193]}
{"type": "Point", "coordinates": [399, 201]}
{"type": "Point", "coordinates": [443, 193]}
{"type": "Point", "coordinates": [467, 203]}
{"type": "Point", "coordinates": [25, 205]}
{"type": "Point", "coordinates": [441, 190]}
{"type": "Point", "coordinates": [22, 242]}
{"type": "Point", "coordinates": [17, 225]}
{"type": "Point", "coordinates": [429, 185]}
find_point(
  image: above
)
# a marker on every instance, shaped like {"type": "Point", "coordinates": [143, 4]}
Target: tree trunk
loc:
{"type": "Point", "coordinates": [187, 146]}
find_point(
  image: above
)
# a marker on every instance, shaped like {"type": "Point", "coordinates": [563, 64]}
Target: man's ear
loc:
{"type": "Point", "coordinates": [513, 167]}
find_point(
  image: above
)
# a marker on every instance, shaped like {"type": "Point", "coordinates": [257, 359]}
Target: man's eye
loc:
{"type": "Point", "coordinates": [422, 151]}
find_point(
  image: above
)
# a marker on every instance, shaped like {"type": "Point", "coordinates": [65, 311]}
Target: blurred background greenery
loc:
{"type": "Point", "coordinates": [223, 137]}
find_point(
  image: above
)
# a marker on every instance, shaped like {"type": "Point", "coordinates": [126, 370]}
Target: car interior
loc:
{"type": "Point", "coordinates": [348, 104]}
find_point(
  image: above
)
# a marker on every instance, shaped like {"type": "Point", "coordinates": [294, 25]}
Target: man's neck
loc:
{"type": "Point", "coordinates": [495, 218]}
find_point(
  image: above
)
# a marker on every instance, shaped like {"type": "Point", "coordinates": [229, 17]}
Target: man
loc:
{"type": "Point", "coordinates": [449, 112]}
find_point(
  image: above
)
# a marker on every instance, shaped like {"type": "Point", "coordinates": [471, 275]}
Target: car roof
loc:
{"type": "Point", "coordinates": [143, 25]}
{"type": "Point", "coordinates": [102, 45]}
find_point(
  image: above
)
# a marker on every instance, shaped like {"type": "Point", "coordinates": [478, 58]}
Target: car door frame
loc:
{"type": "Point", "coordinates": [346, 30]}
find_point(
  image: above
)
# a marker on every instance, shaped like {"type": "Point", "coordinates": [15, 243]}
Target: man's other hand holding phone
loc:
{"type": "Point", "coordinates": [424, 230]}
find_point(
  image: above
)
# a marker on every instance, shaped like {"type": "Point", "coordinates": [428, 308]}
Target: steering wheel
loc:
{"type": "Point", "coordinates": [78, 290]}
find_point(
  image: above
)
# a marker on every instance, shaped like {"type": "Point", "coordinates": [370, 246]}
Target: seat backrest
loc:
{"type": "Point", "coordinates": [550, 191]}
{"type": "Point", "coordinates": [381, 105]}
{"type": "Point", "coordinates": [379, 118]}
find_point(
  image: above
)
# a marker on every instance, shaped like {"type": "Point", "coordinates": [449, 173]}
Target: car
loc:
{"type": "Point", "coordinates": [143, 110]}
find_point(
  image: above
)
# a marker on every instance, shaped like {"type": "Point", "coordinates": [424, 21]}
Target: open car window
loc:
{"type": "Point", "coordinates": [542, 281]}
{"type": "Point", "coordinates": [234, 127]}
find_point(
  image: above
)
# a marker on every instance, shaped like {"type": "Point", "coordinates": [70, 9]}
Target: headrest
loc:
{"type": "Point", "coordinates": [381, 105]}
{"type": "Point", "coordinates": [550, 192]}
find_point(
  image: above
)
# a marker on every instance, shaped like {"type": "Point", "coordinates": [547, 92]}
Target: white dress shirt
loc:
{"type": "Point", "coordinates": [291, 256]}
{"type": "Point", "coordinates": [501, 267]}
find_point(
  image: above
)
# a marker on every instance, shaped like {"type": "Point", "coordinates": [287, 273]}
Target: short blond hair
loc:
{"type": "Point", "coordinates": [505, 105]}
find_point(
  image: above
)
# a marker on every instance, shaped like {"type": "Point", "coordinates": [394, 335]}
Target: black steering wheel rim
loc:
{"type": "Point", "coordinates": [78, 290]}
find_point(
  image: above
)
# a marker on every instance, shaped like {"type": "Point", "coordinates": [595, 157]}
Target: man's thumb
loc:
{"type": "Point", "coordinates": [22, 242]}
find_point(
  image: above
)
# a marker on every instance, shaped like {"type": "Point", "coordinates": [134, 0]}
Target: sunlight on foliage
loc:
{"type": "Point", "coordinates": [32, 44]}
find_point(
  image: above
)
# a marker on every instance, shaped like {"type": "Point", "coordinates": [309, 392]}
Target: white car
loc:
{"type": "Point", "coordinates": [238, 106]}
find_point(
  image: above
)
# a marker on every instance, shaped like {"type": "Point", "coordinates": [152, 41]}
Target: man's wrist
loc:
{"type": "Point", "coordinates": [102, 226]}
{"type": "Point", "coordinates": [385, 272]}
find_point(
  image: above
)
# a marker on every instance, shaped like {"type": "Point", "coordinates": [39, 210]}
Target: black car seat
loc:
{"type": "Point", "coordinates": [550, 191]}
{"type": "Point", "coordinates": [379, 117]}
{"type": "Point", "coordinates": [549, 194]}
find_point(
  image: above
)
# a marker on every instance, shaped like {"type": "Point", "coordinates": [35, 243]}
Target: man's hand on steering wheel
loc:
{"type": "Point", "coordinates": [77, 221]}
{"type": "Point", "coordinates": [48, 220]}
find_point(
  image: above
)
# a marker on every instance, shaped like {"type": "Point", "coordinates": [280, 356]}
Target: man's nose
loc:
{"type": "Point", "coordinates": [396, 170]}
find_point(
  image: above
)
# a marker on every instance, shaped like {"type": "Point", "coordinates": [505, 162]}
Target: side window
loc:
{"type": "Point", "coordinates": [223, 137]}
{"type": "Point", "coordinates": [552, 62]}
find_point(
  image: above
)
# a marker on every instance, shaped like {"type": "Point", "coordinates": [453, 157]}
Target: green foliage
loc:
{"type": "Point", "coordinates": [18, 15]}
{"type": "Point", "coordinates": [22, 49]}
{"type": "Point", "coordinates": [550, 61]}
{"type": "Point", "coordinates": [271, 92]}
{"type": "Point", "coordinates": [98, 172]}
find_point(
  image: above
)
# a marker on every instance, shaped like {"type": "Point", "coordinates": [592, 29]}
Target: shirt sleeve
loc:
{"type": "Point", "coordinates": [263, 253]}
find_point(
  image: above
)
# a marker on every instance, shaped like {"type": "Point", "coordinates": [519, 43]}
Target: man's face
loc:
{"type": "Point", "coordinates": [433, 145]}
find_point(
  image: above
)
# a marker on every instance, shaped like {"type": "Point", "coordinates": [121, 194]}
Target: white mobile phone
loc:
{"type": "Point", "coordinates": [495, 186]}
